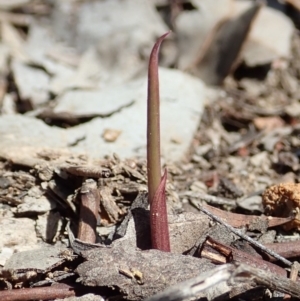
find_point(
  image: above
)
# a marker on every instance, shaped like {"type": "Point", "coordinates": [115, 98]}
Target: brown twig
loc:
{"type": "Point", "coordinates": [268, 279]}
{"type": "Point", "coordinates": [89, 208]}
{"type": "Point", "coordinates": [40, 293]}
{"type": "Point", "coordinates": [232, 255]}
{"type": "Point", "coordinates": [293, 275]}
{"type": "Point", "coordinates": [294, 271]}
{"type": "Point", "coordinates": [191, 288]}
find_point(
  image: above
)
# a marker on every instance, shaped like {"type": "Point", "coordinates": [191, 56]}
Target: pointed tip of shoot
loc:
{"type": "Point", "coordinates": [155, 49]}
{"type": "Point", "coordinates": [159, 218]}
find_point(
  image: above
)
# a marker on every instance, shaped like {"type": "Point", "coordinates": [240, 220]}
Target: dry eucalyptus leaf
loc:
{"type": "Point", "coordinates": [138, 274]}
{"type": "Point", "coordinates": [252, 222]}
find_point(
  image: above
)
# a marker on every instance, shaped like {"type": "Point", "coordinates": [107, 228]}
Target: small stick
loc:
{"type": "Point", "coordinates": [242, 235]}
{"type": "Point", "coordinates": [233, 255]}
{"type": "Point", "coordinates": [293, 275]}
{"type": "Point", "coordinates": [268, 279]}
{"type": "Point", "coordinates": [294, 271]}
{"type": "Point", "coordinates": [39, 293]}
{"type": "Point", "coordinates": [89, 208]}
{"type": "Point", "coordinates": [192, 287]}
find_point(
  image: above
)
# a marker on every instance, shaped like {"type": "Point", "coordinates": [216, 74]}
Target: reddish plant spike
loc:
{"type": "Point", "coordinates": [159, 218]}
{"type": "Point", "coordinates": [153, 122]}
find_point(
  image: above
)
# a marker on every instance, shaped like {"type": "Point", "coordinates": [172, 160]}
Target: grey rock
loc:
{"type": "Point", "coordinates": [17, 234]}
{"type": "Point", "coordinates": [42, 259]}
{"type": "Point", "coordinates": [182, 101]}
{"type": "Point", "coordinates": [270, 36]}
{"type": "Point", "coordinates": [32, 83]}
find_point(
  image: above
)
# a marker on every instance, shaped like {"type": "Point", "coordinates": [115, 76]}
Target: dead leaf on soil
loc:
{"type": "Point", "coordinates": [251, 222]}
